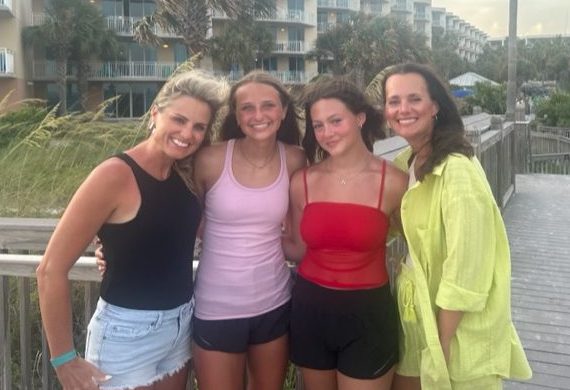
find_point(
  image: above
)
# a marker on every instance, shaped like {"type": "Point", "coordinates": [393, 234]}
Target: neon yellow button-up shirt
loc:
{"type": "Point", "coordinates": [461, 261]}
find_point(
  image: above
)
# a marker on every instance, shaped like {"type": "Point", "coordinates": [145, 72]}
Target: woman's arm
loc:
{"type": "Point", "coordinates": [93, 204]}
{"type": "Point", "coordinates": [293, 244]}
{"type": "Point", "coordinates": [447, 323]}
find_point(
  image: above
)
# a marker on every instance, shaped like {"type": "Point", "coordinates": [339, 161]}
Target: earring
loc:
{"type": "Point", "coordinates": [435, 117]}
{"type": "Point", "coordinates": [151, 126]}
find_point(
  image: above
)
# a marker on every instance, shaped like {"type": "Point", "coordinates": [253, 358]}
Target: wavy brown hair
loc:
{"type": "Point", "coordinates": [288, 132]}
{"type": "Point", "coordinates": [448, 134]}
{"type": "Point", "coordinates": [340, 88]}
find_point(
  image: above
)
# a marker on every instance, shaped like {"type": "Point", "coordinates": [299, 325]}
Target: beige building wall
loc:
{"type": "Point", "coordinates": [11, 24]}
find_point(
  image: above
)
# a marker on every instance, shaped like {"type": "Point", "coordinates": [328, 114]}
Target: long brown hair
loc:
{"type": "Point", "coordinates": [448, 134]}
{"type": "Point", "coordinates": [340, 88]}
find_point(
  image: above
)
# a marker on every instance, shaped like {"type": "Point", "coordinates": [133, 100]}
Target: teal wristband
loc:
{"type": "Point", "coordinates": [63, 358]}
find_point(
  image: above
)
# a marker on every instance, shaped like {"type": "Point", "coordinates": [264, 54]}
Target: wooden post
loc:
{"type": "Point", "coordinates": [25, 334]}
{"type": "Point", "coordinates": [46, 367]}
{"type": "Point", "coordinates": [5, 353]}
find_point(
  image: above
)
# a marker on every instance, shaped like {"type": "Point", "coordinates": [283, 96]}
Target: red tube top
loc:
{"type": "Point", "coordinates": [346, 245]}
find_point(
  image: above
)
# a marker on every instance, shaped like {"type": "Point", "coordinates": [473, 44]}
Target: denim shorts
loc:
{"type": "Point", "coordinates": [138, 347]}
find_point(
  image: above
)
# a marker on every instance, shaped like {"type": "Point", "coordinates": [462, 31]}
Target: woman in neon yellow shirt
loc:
{"type": "Point", "coordinates": [453, 290]}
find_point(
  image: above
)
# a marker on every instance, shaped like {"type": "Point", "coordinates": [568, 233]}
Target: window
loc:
{"type": "Point", "coordinates": [269, 64]}
{"type": "Point", "coordinates": [112, 8]}
{"type": "Point", "coordinates": [296, 34]}
{"type": "Point", "coordinates": [135, 99]}
{"type": "Point", "coordinates": [296, 64]}
{"type": "Point", "coordinates": [179, 53]}
{"type": "Point", "coordinates": [72, 96]}
{"type": "Point", "coordinates": [140, 8]}
{"type": "Point", "coordinates": [298, 5]}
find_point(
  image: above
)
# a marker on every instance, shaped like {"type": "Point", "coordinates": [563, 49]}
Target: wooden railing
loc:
{"type": "Point", "coordinates": [24, 357]}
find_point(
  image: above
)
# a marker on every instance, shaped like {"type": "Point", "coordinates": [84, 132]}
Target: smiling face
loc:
{"type": "Point", "coordinates": [337, 129]}
{"type": "Point", "coordinates": [409, 108]}
{"type": "Point", "coordinates": [181, 126]}
{"type": "Point", "coordinates": [259, 111]}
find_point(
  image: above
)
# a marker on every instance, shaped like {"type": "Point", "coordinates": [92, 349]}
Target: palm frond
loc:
{"type": "Point", "coordinates": [4, 102]}
{"type": "Point", "coordinates": [143, 31]}
{"type": "Point", "coordinates": [374, 89]}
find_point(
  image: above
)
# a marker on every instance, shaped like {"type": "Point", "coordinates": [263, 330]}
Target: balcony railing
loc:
{"type": "Point", "coordinates": [323, 27]}
{"type": "Point", "coordinates": [350, 5]}
{"type": "Point", "coordinates": [6, 62]}
{"type": "Point", "coordinates": [100, 71]}
{"type": "Point", "coordinates": [403, 6]}
{"type": "Point", "coordinates": [124, 25]}
{"type": "Point", "coordinates": [287, 47]}
{"type": "Point", "coordinates": [281, 16]}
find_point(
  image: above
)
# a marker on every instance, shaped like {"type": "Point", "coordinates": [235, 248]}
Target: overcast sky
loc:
{"type": "Point", "coordinates": [492, 16]}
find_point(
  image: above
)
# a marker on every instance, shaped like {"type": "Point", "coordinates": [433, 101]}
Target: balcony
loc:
{"type": "Point", "coordinates": [292, 16]}
{"type": "Point", "coordinates": [347, 5]}
{"type": "Point", "coordinates": [290, 47]}
{"type": "Point", "coordinates": [373, 9]}
{"type": "Point", "coordinates": [6, 62]}
{"type": "Point", "coordinates": [124, 26]}
{"type": "Point", "coordinates": [116, 71]}
{"type": "Point", "coordinates": [323, 27]}
{"type": "Point", "coordinates": [406, 6]}
{"type": "Point", "coordinates": [6, 8]}
{"type": "Point", "coordinates": [421, 15]}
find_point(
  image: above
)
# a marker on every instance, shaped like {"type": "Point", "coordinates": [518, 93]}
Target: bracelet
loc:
{"type": "Point", "coordinates": [63, 358]}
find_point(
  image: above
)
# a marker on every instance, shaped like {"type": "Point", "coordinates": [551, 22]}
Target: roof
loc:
{"type": "Point", "coordinates": [469, 79]}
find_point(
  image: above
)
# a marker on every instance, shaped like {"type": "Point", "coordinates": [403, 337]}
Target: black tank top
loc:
{"type": "Point", "coordinates": [149, 258]}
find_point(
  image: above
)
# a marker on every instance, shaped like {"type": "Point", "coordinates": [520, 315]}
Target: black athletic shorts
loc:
{"type": "Point", "coordinates": [235, 335]}
{"type": "Point", "coordinates": [352, 331]}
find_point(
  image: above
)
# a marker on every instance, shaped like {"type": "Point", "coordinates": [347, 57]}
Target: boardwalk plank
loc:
{"type": "Point", "coordinates": [537, 220]}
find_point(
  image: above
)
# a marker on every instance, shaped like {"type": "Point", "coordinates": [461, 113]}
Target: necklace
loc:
{"type": "Point", "coordinates": [344, 179]}
{"type": "Point", "coordinates": [266, 160]}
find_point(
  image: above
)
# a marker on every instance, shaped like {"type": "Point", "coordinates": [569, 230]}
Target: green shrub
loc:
{"type": "Point", "coordinates": [554, 111]}
{"type": "Point", "coordinates": [45, 158]}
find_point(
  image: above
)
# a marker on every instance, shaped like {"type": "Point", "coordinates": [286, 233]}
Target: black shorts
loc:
{"type": "Point", "coordinates": [235, 335]}
{"type": "Point", "coordinates": [352, 331]}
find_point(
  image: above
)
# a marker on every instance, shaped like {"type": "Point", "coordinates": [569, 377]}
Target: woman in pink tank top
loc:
{"type": "Point", "coordinates": [242, 288]}
{"type": "Point", "coordinates": [343, 318]}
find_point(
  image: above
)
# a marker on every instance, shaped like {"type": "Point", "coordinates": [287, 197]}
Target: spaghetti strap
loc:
{"type": "Point", "coordinates": [306, 187]}
{"type": "Point", "coordinates": [382, 183]}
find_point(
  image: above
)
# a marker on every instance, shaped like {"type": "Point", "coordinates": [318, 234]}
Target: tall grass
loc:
{"type": "Point", "coordinates": [44, 158]}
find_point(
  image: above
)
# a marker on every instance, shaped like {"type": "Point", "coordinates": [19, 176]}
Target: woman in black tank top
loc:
{"type": "Point", "coordinates": [147, 218]}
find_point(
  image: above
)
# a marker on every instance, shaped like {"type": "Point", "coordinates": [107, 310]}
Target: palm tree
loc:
{"type": "Point", "coordinates": [190, 19]}
{"type": "Point", "coordinates": [93, 40]}
{"type": "Point", "coordinates": [365, 45]}
{"type": "Point", "coordinates": [241, 43]}
{"type": "Point", "coordinates": [56, 35]}
{"type": "Point", "coordinates": [72, 30]}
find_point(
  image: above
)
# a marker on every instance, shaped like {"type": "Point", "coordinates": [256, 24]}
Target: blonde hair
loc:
{"type": "Point", "coordinates": [201, 86]}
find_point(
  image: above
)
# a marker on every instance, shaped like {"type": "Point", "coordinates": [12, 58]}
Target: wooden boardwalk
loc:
{"type": "Point", "coordinates": [538, 224]}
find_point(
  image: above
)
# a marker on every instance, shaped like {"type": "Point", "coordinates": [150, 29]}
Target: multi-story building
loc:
{"type": "Point", "coordinates": [13, 15]}
{"type": "Point", "coordinates": [528, 39]}
{"type": "Point", "coordinates": [470, 40]}
{"type": "Point", "coordinates": [138, 76]}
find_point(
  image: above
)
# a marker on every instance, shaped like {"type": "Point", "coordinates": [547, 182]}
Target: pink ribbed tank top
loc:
{"type": "Point", "coordinates": [242, 270]}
